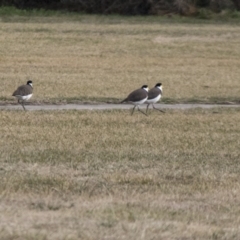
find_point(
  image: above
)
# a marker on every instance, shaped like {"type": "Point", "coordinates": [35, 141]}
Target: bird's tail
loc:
{"type": "Point", "coordinates": [125, 100]}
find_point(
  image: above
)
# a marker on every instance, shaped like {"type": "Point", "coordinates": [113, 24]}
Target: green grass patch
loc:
{"type": "Point", "coordinates": [13, 11]}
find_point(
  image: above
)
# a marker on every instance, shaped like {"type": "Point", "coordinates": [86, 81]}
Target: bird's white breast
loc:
{"type": "Point", "coordinates": [25, 98]}
{"type": "Point", "coordinates": [139, 102]}
{"type": "Point", "coordinates": [154, 100]}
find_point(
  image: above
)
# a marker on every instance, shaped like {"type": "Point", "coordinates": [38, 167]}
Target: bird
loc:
{"type": "Point", "coordinates": [23, 93]}
{"type": "Point", "coordinates": [137, 98]}
{"type": "Point", "coordinates": [154, 95]}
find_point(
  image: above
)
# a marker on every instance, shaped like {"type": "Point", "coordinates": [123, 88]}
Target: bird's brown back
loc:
{"type": "Point", "coordinates": [23, 90]}
{"type": "Point", "coordinates": [137, 95]}
{"type": "Point", "coordinates": [154, 92]}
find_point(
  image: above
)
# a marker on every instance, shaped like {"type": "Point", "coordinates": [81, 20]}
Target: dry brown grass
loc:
{"type": "Point", "coordinates": [104, 58]}
{"type": "Point", "coordinates": [109, 175]}
{"type": "Point", "coordinates": [106, 174]}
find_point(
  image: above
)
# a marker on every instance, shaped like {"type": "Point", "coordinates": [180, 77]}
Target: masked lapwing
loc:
{"type": "Point", "coordinates": [154, 95]}
{"type": "Point", "coordinates": [137, 98]}
{"type": "Point", "coordinates": [23, 93]}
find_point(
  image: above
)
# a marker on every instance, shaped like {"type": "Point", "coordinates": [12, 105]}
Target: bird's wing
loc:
{"type": "Point", "coordinates": [154, 92]}
{"type": "Point", "coordinates": [23, 90]}
{"type": "Point", "coordinates": [137, 95]}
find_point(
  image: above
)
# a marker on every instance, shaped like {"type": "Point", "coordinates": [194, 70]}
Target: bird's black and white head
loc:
{"type": "Point", "coordinates": [159, 85]}
{"type": "Point", "coordinates": [30, 83]}
{"type": "Point", "coordinates": [145, 87]}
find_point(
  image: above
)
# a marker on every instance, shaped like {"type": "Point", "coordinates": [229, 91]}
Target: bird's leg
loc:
{"type": "Point", "coordinates": [23, 105]}
{"type": "Point", "coordinates": [158, 109]}
{"type": "Point", "coordinates": [141, 111]}
{"type": "Point", "coordinates": [147, 107]}
{"type": "Point", "coordinates": [133, 110]}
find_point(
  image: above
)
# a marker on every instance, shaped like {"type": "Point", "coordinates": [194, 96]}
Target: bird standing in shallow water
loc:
{"type": "Point", "coordinates": [23, 93]}
{"type": "Point", "coordinates": [154, 95]}
{"type": "Point", "coordinates": [137, 98]}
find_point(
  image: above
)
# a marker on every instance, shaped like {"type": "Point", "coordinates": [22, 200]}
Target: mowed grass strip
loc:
{"type": "Point", "coordinates": [103, 58]}
{"type": "Point", "coordinates": [106, 174]}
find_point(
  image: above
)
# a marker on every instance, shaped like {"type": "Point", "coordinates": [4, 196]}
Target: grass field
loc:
{"type": "Point", "coordinates": [105, 174]}
{"type": "Point", "coordinates": [95, 58]}
{"type": "Point", "coordinates": [109, 175]}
